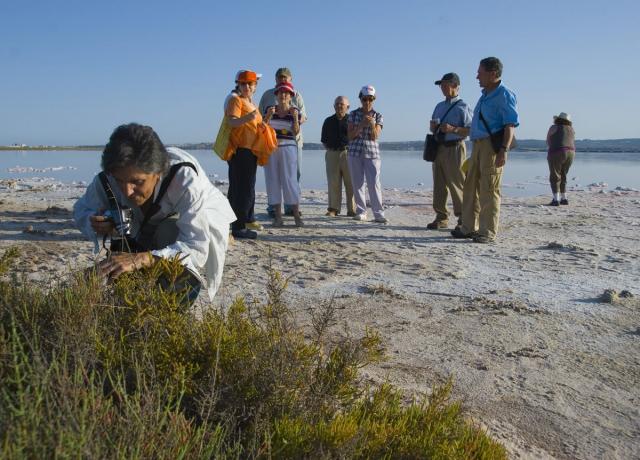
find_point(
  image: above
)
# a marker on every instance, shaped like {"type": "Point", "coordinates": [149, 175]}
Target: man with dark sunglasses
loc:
{"type": "Point", "coordinates": [450, 123]}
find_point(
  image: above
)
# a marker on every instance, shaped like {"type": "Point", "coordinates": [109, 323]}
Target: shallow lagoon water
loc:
{"type": "Point", "coordinates": [525, 174]}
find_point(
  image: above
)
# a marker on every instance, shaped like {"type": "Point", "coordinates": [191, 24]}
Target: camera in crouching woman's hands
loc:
{"type": "Point", "coordinates": [121, 218]}
{"type": "Point", "coordinates": [121, 240]}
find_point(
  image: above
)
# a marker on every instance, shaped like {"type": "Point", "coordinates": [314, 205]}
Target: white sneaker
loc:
{"type": "Point", "coordinates": [362, 216]}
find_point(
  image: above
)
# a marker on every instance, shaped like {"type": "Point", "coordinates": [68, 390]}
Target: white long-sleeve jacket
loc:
{"type": "Point", "coordinates": [203, 220]}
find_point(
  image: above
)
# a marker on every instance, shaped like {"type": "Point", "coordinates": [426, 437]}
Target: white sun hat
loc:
{"type": "Point", "coordinates": [563, 115]}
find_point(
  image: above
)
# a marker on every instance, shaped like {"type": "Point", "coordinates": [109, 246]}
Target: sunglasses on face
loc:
{"type": "Point", "coordinates": [367, 99]}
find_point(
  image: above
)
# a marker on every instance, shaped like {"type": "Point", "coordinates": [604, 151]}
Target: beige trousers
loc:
{"type": "Point", "coordinates": [337, 173]}
{"type": "Point", "coordinates": [448, 178]}
{"type": "Point", "coordinates": [559, 164]}
{"type": "Point", "coordinates": [481, 195]}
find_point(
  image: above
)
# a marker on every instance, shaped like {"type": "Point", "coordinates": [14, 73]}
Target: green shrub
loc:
{"type": "Point", "coordinates": [124, 371]}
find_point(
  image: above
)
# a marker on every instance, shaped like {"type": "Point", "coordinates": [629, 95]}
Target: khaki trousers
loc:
{"type": "Point", "coordinates": [448, 178]}
{"type": "Point", "coordinates": [559, 164]}
{"type": "Point", "coordinates": [481, 194]}
{"type": "Point", "coordinates": [337, 173]}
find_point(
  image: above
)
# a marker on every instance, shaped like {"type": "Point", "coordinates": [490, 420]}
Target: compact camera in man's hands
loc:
{"type": "Point", "coordinates": [121, 218]}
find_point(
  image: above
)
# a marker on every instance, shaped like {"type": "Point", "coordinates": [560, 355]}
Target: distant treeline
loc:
{"type": "Point", "coordinates": [582, 145]}
{"type": "Point", "coordinates": [51, 147]}
{"type": "Point", "coordinates": [536, 145]}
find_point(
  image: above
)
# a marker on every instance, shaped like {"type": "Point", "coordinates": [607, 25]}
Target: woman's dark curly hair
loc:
{"type": "Point", "coordinates": [562, 121]}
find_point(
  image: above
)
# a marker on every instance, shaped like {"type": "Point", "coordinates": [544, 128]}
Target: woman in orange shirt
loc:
{"type": "Point", "coordinates": [244, 118]}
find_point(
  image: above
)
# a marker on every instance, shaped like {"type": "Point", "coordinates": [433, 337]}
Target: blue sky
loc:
{"type": "Point", "coordinates": [73, 70]}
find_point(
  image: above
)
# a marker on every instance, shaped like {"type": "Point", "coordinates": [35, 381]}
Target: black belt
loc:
{"type": "Point", "coordinates": [452, 143]}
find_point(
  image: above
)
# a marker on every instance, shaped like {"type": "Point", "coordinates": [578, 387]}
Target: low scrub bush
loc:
{"type": "Point", "coordinates": [126, 371]}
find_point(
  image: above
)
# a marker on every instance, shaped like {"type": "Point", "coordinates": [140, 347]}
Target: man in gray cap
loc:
{"type": "Point", "coordinates": [283, 75]}
{"type": "Point", "coordinates": [268, 99]}
{"type": "Point", "coordinates": [450, 122]}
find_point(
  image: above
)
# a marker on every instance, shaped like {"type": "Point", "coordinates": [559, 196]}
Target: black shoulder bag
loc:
{"type": "Point", "coordinates": [431, 142]}
{"type": "Point", "coordinates": [497, 138]}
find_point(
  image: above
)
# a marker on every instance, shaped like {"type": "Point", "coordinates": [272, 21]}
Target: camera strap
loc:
{"type": "Point", "coordinates": [113, 203]}
{"type": "Point", "coordinates": [484, 122]}
{"type": "Point", "coordinates": [449, 110]}
{"type": "Point", "coordinates": [438, 133]}
{"type": "Point", "coordinates": [155, 207]}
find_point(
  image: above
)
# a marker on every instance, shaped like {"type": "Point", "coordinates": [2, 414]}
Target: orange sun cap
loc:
{"type": "Point", "coordinates": [247, 76]}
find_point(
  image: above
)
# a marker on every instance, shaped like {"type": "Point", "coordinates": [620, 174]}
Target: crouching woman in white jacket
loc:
{"type": "Point", "coordinates": [154, 202]}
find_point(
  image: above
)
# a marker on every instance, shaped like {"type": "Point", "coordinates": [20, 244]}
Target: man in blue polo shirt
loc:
{"type": "Point", "coordinates": [495, 111]}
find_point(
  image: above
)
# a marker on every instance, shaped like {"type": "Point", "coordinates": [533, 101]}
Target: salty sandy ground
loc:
{"type": "Point", "coordinates": [538, 356]}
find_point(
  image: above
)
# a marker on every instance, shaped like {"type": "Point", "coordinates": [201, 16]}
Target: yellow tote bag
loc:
{"type": "Point", "coordinates": [222, 139]}
{"type": "Point", "coordinates": [465, 166]}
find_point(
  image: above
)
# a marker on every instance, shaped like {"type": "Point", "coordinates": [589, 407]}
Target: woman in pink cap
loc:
{"type": "Point", "coordinates": [281, 171]}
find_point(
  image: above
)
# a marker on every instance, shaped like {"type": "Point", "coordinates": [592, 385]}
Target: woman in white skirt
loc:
{"type": "Point", "coordinates": [281, 171]}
